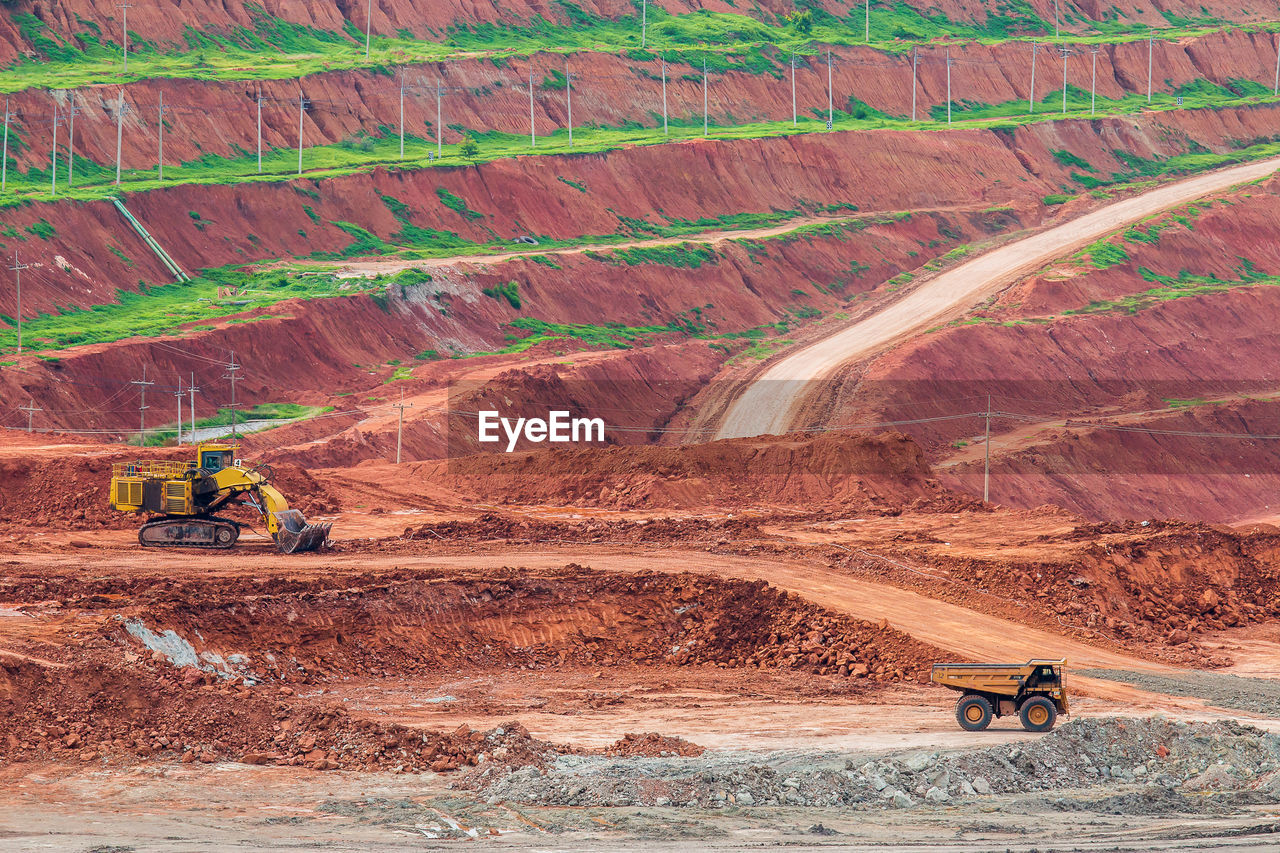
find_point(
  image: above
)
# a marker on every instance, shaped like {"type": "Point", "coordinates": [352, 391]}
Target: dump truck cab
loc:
{"type": "Point", "coordinates": [1034, 691]}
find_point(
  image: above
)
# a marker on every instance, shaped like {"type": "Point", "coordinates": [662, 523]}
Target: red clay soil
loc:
{"type": "Point", "coordinates": [167, 25]}
{"type": "Point", "coordinates": [84, 697]}
{"type": "Point", "coordinates": [1109, 474]}
{"type": "Point", "coordinates": [1149, 586]}
{"type": "Point", "coordinates": [524, 196]}
{"type": "Point", "coordinates": [343, 339]}
{"type": "Point", "coordinates": [653, 745]}
{"type": "Point", "coordinates": [1039, 359]}
{"type": "Point", "coordinates": [98, 710]}
{"type": "Point", "coordinates": [854, 470]}
{"type": "Point", "coordinates": [636, 391]}
{"type": "Point", "coordinates": [219, 118]}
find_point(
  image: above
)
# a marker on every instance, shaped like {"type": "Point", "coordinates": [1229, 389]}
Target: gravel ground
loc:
{"type": "Point", "coordinates": [1257, 695]}
{"type": "Point", "coordinates": [1128, 766]}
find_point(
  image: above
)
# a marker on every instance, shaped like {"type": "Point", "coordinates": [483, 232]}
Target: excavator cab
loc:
{"type": "Point", "coordinates": [214, 458]}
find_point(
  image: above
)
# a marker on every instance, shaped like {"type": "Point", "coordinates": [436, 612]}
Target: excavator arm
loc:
{"type": "Point", "coordinates": [288, 527]}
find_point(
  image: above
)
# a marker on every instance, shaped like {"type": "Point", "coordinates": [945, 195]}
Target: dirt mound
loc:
{"type": "Point", "coordinates": [491, 526]}
{"type": "Point", "coordinates": [653, 745]}
{"type": "Point", "coordinates": [797, 470]}
{"type": "Point", "coordinates": [101, 710]}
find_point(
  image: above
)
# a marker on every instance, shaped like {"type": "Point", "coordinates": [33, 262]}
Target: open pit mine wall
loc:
{"type": "Point", "coordinates": [879, 171]}
{"type": "Point", "coordinates": [524, 195]}
{"type": "Point", "coordinates": [220, 118]}
{"type": "Point", "coordinates": [166, 24]}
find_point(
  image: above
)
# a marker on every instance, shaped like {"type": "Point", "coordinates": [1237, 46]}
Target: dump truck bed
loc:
{"type": "Point", "coordinates": [1006, 679]}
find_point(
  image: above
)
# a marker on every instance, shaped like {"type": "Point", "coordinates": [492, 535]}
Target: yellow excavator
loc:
{"type": "Point", "coordinates": [185, 496]}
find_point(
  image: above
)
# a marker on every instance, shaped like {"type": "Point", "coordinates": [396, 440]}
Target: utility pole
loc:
{"type": "Point", "coordinates": [665, 130]}
{"type": "Point", "coordinates": [868, 34]}
{"type": "Point", "coordinates": [71, 133]}
{"type": "Point", "coordinates": [121, 108]}
{"type": "Point", "coordinates": [368, 26]}
{"type": "Point", "coordinates": [1275, 89]}
{"type": "Point", "coordinates": [160, 154]}
{"type": "Point", "coordinates": [1151, 48]}
{"type": "Point", "coordinates": [644, 21]}
{"type": "Point", "coordinates": [1065, 51]}
{"type": "Point", "coordinates": [126, 7]}
{"type": "Point", "coordinates": [915, 55]}
{"type": "Point", "coordinates": [259, 100]}
{"type": "Point", "coordinates": [142, 404]}
{"type": "Point", "coordinates": [30, 408]}
{"type": "Point", "coordinates": [568, 99]}
{"type": "Point", "coordinates": [794, 120]}
{"type": "Point", "coordinates": [704, 96]}
{"type": "Point", "coordinates": [303, 103]}
{"type": "Point", "coordinates": [53, 157]}
{"type": "Point", "coordinates": [533, 135]}
{"type": "Point", "coordinates": [1093, 82]}
{"type": "Point", "coordinates": [178, 394]}
{"type": "Point", "coordinates": [1031, 99]}
{"type": "Point", "coordinates": [439, 127]}
{"type": "Point", "coordinates": [401, 115]}
{"type": "Point", "coordinates": [191, 393]}
{"type": "Point", "coordinates": [400, 425]}
{"type": "Point", "coordinates": [17, 286]}
{"type": "Point", "coordinates": [986, 466]}
{"type": "Point", "coordinates": [232, 367]}
{"type": "Point", "coordinates": [4, 156]}
{"type": "Point", "coordinates": [948, 87]}
{"type": "Point", "coordinates": [831, 113]}
{"type": "Point", "coordinates": [1057, 14]}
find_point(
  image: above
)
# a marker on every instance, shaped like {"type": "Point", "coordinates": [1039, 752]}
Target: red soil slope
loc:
{"type": "Point", "coordinates": [211, 118]}
{"type": "Point", "coordinates": [166, 24]}
{"type": "Point", "coordinates": [522, 196]}
{"type": "Point", "coordinates": [1041, 362]}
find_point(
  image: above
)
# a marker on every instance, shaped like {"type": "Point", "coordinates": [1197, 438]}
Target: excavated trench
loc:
{"type": "Point", "coordinates": [577, 616]}
{"type": "Point", "coordinates": [245, 668]}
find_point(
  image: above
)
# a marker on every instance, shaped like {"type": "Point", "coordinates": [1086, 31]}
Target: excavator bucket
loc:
{"type": "Point", "coordinates": [296, 535]}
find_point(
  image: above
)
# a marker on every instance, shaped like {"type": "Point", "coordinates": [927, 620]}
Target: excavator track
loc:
{"type": "Point", "coordinates": [211, 534]}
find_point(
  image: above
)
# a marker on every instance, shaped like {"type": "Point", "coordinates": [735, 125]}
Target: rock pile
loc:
{"type": "Point", "coordinates": [1169, 760]}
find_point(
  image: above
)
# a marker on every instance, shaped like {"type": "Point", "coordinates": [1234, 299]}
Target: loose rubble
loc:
{"type": "Point", "coordinates": [1166, 761]}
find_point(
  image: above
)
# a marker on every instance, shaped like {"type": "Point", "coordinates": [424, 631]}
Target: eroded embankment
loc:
{"type": "Point", "coordinates": [725, 292]}
{"type": "Point", "coordinates": [172, 27]}
{"type": "Point", "coordinates": [567, 197]}
{"type": "Point", "coordinates": [1141, 332]}
{"type": "Point", "coordinates": [798, 471]}
{"type": "Point", "coordinates": [198, 669]}
{"type": "Point", "coordinates": [522, 195]}
{"type": "Point", "coordinates": [1158, 586]}
{"type": "Point", "coordinates": [211, 118]}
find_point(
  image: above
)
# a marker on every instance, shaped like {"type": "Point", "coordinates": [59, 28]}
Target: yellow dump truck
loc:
{"type": "Point", "coordinates": [1032, 690]}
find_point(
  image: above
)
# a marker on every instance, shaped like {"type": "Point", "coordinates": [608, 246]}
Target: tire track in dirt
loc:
{"type": "Point", "coordinates": [773, 401]}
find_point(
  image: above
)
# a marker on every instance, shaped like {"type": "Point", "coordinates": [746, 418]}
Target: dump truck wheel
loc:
{"type": "Point", "coordinates": [1037, 714]}
{"type": "Point", "coordinates": [973, 713]}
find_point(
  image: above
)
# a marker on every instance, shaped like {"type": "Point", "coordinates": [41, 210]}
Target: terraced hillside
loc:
{"type": "Point", "coordinates": [475, 189]}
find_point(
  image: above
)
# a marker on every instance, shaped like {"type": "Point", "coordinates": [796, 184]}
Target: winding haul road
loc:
{"type": "Point", "coordinates": [772, 401]}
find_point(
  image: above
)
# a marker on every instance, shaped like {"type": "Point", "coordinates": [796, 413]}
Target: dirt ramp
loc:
{"type": "Point", "coordinates": [793, 470]}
